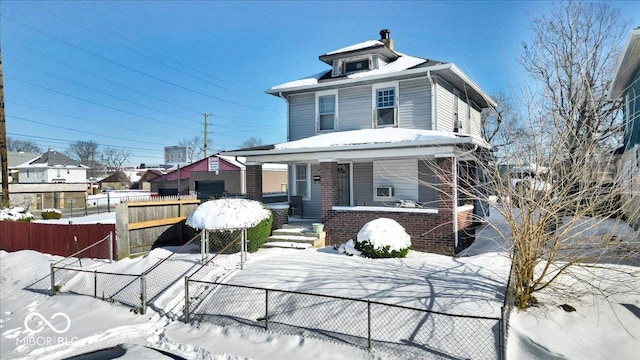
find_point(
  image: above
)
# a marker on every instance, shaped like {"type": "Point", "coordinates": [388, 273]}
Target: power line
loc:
{"type": "Point", "coordinates": [132, 69]}
{"type": "Point", "coordinates": [160, 62]}
{"type": "Point", "coordinates": [81, 131]}
{"type": "Point", "coordinates": [102, 92]}
{"type": "Point", "coordinates": [93, 102]}
{"type": "Point", "coordinates": [87, 120]}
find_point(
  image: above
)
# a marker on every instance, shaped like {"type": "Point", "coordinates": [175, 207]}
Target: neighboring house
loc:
{"type": "Point", "coordinates": [217, 176]}
{"type": "Point", "coordinates": [146, 176]}
{"type": "Point", "coordinates": [626, 88]}
{"type": "Point", "coordinates": [49, 180]}
{"type": "Point", "coordinates": [116, 181]}
{"type": "Point", "coordinates": [378, 130]}
{"type": "Point", "coordinates": [15, 158]}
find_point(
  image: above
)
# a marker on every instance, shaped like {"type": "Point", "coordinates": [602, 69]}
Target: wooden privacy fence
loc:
{"type": "Point", "coordinates": [55, 239]}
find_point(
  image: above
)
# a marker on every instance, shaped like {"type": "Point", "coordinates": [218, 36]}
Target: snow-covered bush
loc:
{"type": "Point", "coordinates": [383, 238]}
{"type": "Point", "coordinates": [16, 214]}
{"type": "Point", "coordinates": [51, 214]}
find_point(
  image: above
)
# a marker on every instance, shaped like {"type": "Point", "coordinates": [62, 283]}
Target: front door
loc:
{"type": "Point", "coordinates": [344, 185]}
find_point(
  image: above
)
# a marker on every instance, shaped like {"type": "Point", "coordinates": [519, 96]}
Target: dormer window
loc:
{"type": "Point", "coordinates": [355, 66]}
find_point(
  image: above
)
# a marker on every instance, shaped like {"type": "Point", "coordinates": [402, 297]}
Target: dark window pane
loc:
{"type": "Point", "coordinates": [356, 66]}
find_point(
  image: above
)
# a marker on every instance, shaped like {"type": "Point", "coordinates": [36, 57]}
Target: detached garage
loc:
{"type": "Point", "coordinates": [215, 177]}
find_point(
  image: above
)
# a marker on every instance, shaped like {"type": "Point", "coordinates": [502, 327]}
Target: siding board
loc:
{"type": "Point", "coordinates": [415, 104]}
{"type": "Point", "coordinates": [355, 108]}
{"type": "Point", "coordinates": [428, 181]}
{"type": "Point", "coordinates": [445, 109]}
{"type": "Point", "coordinates": [302, 123]}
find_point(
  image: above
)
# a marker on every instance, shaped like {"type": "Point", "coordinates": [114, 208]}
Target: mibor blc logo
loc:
{"type": "Point", "coordinates": [45, 323]}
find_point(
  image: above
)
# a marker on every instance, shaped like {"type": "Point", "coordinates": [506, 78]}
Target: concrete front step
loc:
{"type": "Point", "coordinates": [295, 232]}
{"type": "Point", "coordinates": [287, 245]}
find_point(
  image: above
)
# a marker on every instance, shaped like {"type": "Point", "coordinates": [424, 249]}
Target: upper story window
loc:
{"type": "Point", "coordinates": [385, 106]}
{"type": "Point", "coordinates": [354, 66]}
{"type": "Point", "coordinates": [326, 110]}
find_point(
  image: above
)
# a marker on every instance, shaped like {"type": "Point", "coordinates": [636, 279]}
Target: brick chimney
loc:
{"type": "Point", "coordinates": [386, 40]}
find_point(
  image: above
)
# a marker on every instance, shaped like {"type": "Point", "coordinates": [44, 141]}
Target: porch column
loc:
{"type": "Point", "coordinates": [328, 186]}
{"type": "Point", "coordinates": [253, 174]}
{"type": "Point", "coordinates": [447, 222]}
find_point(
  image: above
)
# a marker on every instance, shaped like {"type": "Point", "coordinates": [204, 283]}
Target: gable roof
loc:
{"type": "Point", "coordinates": [15, 158]}
{"type": "Point", "coordinates": [52, 158]}
{"type": "Point", "coordinates": [200, 165]}
{"type": "Point", "coordinates": [118, 176]}
{"type": "Point", "coordinates": [627, 66]}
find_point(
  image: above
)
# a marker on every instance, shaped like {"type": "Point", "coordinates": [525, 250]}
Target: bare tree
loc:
{"type": "Point", "coordinates": [22, 145]}
{"type": "Point", "coordinates": [251, 142]}
{"type": "Point", "coordinates": [85, 151]}
{"type": "Point", "coordinates": [502, 125]}
{"type": "Point", "coordinates": [572, 57]}
{"type": "Point", "coordinates": [113, 159]}
{"type": "Point", "coordinates": [195, 148]}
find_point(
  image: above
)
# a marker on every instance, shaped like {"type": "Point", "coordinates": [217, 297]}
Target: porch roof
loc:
{"type": "Point", "coordinates": [362, 144]}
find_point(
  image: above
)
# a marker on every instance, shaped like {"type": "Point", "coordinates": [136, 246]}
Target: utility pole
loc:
{"type": "Point", "coordinates": [206, 134]}
{"type": "Point", "coordinates": [3, 144]}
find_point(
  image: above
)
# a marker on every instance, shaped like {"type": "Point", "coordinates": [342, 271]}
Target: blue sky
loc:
{"type": "Point", "coordinates": [138, 75]}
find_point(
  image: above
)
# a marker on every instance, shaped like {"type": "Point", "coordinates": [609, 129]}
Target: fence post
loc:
{"type": "Point", "coordinates": [186, 299]}
{"type": "Point", "coordinates": [95, 283]}
{"type": "Point", "coordinates": [53, 281]}
{"type": "Point", "coordinates": [369, 325]}
{"type": "Point", "coordinates": [502, 332]}
{"type": "Point", "coordinates": [266, 310]}
{"type": "Point", "coordinates": [110, 246]}
{"type": "Point", "coordinates": [143, 293]}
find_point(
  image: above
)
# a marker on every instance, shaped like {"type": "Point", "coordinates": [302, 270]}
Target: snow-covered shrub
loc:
{"type": "Point", "coordinates": [16, 214]}
{"type": "Point", "coordinates": [256, 237]}
{"type": "Point", "coordinates": [383, 238]}
{"type": "Point", "coordinates": [51, 214]}
{"type": "Point", "coordinates": [349, 248]}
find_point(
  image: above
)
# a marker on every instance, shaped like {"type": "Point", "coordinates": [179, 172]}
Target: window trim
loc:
{"type": "Point", "coordinates": [320, 94]}
{"type": "Point", "coordinates": [374, 99]}
{"type": "Point", "coordinates": [307, 180]}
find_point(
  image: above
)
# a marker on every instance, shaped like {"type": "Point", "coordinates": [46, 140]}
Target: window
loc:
{"type": "Point", "coordinates": [355, 66]}
{"type": "Point", "coordinates": [302, 180]}
{"type": "Point", "coordinates": [385, 113]}
{"type": "Point", "coordinates": [326, 112]}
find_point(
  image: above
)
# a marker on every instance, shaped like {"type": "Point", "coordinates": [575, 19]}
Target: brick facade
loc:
{"type": "Point", "coordinates": [254, 182]}
{"type": "Point", "coordinates": [429, 232]}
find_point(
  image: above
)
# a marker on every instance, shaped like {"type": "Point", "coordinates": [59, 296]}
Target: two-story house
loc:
{"type": "Point", "coordinates": [50, 180]}
{"type": "Point", "coordinates": [626, 88]}
{"type": "Point", "coordinates": [377, 130]}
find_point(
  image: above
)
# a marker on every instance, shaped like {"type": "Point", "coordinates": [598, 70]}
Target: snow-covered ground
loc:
{"type": "Point", "coordinates": [604, 325]}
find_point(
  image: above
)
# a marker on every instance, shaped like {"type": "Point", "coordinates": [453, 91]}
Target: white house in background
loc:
{"type": "Point", "coordinates": [52, 167]}
{"type": "Point", "coordinates": [376, 130]}
{"type": "Point", "coordinates": [50, 180]}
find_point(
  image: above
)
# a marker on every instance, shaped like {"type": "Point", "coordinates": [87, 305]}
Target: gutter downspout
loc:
{"type": "Point", "coordinates": [434, 101]}
{"type": "Point", "coordinates": [288, 119]}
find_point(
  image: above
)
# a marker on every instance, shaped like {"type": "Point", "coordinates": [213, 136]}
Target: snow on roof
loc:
{"type": "Point", "coordinates": [404, 62]}
{"type": "Point", "coordinates": [367, 136]}
{"type": "Point", "coordinates": [225, 214]}
{"type": "Point", "coordinates": [358, 46]}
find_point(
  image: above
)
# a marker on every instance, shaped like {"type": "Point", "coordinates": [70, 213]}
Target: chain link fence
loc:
{"type": "Point", "coordinates": [393, 331]}
{"type": "Point", "coordinates": [132, 290]}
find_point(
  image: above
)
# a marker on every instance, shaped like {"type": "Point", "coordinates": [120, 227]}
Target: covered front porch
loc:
{"type": "Point", "coordinates": [419, 184]}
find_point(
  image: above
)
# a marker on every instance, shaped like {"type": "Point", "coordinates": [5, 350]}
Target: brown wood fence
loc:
{"type": "Point", "coordinates": [56, 239]}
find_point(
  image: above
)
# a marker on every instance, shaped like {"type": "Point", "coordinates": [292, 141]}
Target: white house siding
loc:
{"type": "Point", "coordinates": [445, 99]}
{"type": "Point", "coordinates": [427, 192]}
{"type": "Point", "coordinates": [415, 104]}
{"type": "Point", "coordinates": [463, 114]}
{"type": "Point", "coordinates": [70, 175]}
{"type": "Point", "coordinates": [302, 123]}
{"type": "Point", "coordinates": [354, 105]}
{"type": "Point", "coordinates": [31, 175]}
{"type": "Point", "coordinates": [401, 174]}
{"type": "Point", "coordinates": [476, 122]}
